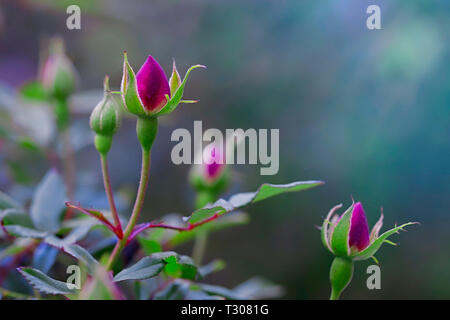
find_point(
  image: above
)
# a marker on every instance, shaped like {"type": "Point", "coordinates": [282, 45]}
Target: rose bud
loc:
{"type": "Point", "coordinates": [105, 119]}
{"type": "Point", "coordinates": [148, 93]}
{"type": "Point", "coordinates": [152, 86]}
{"type": "Point", "coordinates": [211, 177]}
{"type": "Point", "coordinates": [347, 237]}
{"type": "Point", "coordinates": [58, 75]}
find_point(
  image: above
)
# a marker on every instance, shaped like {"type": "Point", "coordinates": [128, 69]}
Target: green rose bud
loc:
{"type": "Point", "coordinates": [58, 74]}
{"type": "Point", "coordinates": [212, 176]}
{"type": "Point", "coordinates": [105, 119]}
{"type": "Point", "coordinates": [347, 237]}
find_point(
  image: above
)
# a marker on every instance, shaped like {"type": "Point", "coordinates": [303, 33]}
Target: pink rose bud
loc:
{"type": "Point", "coordinates": [152, 85]}
{"type": "Point", "coordinates": [212, 173]}
{"type": "Point", "coordinates": [58, 75]}
{"type": "Point", "coordinates": [148, 94]}
{"type": "Point", "coordinates": [347, 237]}
{"type": "Point", "coordinates": [359, 229]}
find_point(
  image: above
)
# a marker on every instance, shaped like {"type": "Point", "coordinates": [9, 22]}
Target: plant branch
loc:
{"type": "Point", "coordinates": [145, 171]}
{"type": "Point", "coordinates": [97, 215]}
{"type": "Point", "coordinates": [201, 239]}
{"type": "Point", "coordinates": [144, 226]}
{"type": "Point", "coordinates": [68, 156]}
{"type": "Point", "coordinates": [109, 193]}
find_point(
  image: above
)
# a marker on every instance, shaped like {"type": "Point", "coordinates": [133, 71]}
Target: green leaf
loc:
{"type": "Point", "coordinates": [75, 251]}
{"type": "Point", "coordinates": [212, 267]}
{"type": "Point", "coordinates": [28, 144]}
{"type": "Point", "coordinates": [145, 268]}
{"type": "Point", "coordinates": [176, 290]}
{"type": "Point", "coordinates": [48, 202]}
{"type": "Point", "coordinates": [220, 291]}
{"type": "Point", "coordinates": [149, 246]}
{"type": "Point", "coordinates": [44, 283]}
{"type": "Point", "coordinates": [265, 191]}
{"type": "Point", "coordinates": [232, 220]}
{"type": "Point", "coordinates": [33, 91]}
{"type": "Point", "coordinates": [339, 238]}
{"type": "Point", "coordinates": [181, 267]}
{"type": "Point", "coordinates": [19, 245]}
{"type": "Point", "coordinates": [370, 251]}
{"type": "Point", "coordinates": [198, 294]}
{"type": "Point", "coordinates": [100, 286]}
{"type": "Point", "coordinates": [258, 288]}
{"type": "Point", "coordinates": [15, 216]}
{"type": "Point", "coordinates": [80, 231]}
{"type": "Point", "coordinates": [174, 264]}
{"type": "Point", "coordinates": [25, 232]}
{"type": "Point", "coordinates": [7, 202]}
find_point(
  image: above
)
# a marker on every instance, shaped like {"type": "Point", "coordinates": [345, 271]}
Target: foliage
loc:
{"type": "Point", "coordinates": [48, 230]}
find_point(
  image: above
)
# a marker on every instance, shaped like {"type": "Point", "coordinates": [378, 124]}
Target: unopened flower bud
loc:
{"type": "Point", "coordinates": [145, 93]}
{"type": "Point", "coordinates": [58, 74]}
{"type": "Point", "coordinates": [148, 92]}
{"type": "Point", "coordinates": [348, 238]}
{"type": "Point", "coordinates": [212, 175]}
{"type": "Point", "coordinates": [105, 119]}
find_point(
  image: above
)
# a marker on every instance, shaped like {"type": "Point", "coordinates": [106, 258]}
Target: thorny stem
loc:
{"type": "Point", "coordinates": [145, 171]}
{"type": "Point", "coordinates": [109, 192]}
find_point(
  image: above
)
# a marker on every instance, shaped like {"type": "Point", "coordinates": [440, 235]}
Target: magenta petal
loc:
{"type": "Point", "coordinates": [152, 85]}
{"type": "Point", "coordinates": [214, 165]}
{"type": "Point", "coordinates": [359, 228]}
{"type": "Point", "coordinates": [213, 169]}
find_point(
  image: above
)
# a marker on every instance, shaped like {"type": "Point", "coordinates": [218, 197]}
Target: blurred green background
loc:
{"type": "Point", "coordinates": [366, 111]}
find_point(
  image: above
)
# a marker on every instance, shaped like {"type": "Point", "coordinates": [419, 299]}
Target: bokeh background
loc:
{"type": "Point", "coordinates": [366, 111]}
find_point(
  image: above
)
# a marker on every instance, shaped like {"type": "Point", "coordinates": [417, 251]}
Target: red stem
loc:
{"type": "Point", "coordinates": [139, 228]}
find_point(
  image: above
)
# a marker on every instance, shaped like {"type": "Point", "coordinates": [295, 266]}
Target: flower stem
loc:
{"type": "Point", "coordinates": [201, 239]}
{"type": "Point", "coordinates": [199, 247]}
{"type": "Point", "coordinates": [145, 171]}
{"type": "Point", "coordinates": [109, 192]}
{"type": "Point", "coordinates": [341, 273]}
{"type": "Point", "coordinates": [68, 156]}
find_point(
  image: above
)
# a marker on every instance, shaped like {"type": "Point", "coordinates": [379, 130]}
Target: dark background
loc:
{"type": "Point", "coordinates": [366, 111]}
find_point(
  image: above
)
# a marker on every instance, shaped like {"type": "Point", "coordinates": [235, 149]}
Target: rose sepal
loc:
{"type": "Point", "coordinates": [370, 251]}
{"type": "Point", "coordinates": [176, 99]}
